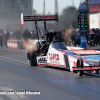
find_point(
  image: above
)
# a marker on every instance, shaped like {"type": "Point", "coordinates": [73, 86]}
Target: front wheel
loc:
{"type": "Point", "coordinates": [80, 73]}
{"type": "Point", "coordinates": [80, 64]}
{"type": "Point", "coordinates": [97, 72]}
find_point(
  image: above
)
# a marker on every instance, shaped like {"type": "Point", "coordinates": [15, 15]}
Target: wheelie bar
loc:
{"type": "Point", "coordinates": [86, 68]}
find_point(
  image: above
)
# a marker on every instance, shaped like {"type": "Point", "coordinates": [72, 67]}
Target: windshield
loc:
{"type": "Point", "coordinates": [59, 46]}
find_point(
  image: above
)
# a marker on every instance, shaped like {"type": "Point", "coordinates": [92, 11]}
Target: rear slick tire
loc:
{"type": "Point", "coordinates": [31, 58]}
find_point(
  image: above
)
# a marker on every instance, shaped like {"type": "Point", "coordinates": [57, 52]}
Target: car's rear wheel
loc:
{"type": "Point", "coordinates": [80, 64]}
{"type": "Point", "coordinates": [31, 58]}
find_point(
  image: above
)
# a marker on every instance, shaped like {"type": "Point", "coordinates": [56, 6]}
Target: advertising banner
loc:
{"type": "Point", "coordinates": [94, 2]}
{"type": "Point", "coordinates": [94, 5]}
{"type": "Point", "coordinates": [83, 41]}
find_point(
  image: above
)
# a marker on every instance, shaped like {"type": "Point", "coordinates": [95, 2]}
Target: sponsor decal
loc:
{"type": "Point", "coordinates": [53, 56]}
{"type": "Point", "coordinates": [86, 51]}
{"type": "Point", "coordinates": [71, 48]}
{"type": "Point", "coordinates": [54, 62]}
{"type": "Point", "coordinates": [83, 39]}
{"type": "Point", "coordinates": [42, 60]}
{"type": "Point", "coordinates": [75, 63]}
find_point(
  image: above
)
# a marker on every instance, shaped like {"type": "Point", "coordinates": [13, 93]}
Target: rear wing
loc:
{"type": "Point", "coordinates": [41, 18]}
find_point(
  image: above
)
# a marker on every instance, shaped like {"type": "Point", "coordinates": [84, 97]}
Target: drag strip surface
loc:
{"type": "Point", "coordinates": [53, 83]}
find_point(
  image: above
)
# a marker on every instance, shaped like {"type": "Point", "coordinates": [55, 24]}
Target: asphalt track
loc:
{"type": "Point", "coordinates": [53, 83]}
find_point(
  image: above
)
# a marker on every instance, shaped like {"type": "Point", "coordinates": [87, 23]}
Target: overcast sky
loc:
{"type": "Point", "coordinates": [50, 5]}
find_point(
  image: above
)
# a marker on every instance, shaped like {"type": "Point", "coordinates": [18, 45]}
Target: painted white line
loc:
{"type": "Point", "coordinates": [13, 60]}
{"type": "Point", "coordinates": [12, 55]}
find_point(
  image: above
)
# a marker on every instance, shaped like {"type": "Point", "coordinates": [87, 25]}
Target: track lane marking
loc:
{"type": "Point", "coordinates": [12, 55]}
{"type": "Point", "coordinates": [13, 60]}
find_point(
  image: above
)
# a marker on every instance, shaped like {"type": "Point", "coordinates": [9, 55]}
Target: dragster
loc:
{"type": "Point", "coordinates": [53, 52]}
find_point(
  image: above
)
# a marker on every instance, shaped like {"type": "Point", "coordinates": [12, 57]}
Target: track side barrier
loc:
{"type": "Point", "coordinates": [15, 44]}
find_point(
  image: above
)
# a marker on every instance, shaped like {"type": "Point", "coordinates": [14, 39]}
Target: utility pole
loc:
{"type": "Point", "coordinates": [56, 7]}
{"type": "Point", "coordinates": [2, 8]}
{"type": "Point", "coordinates": [81, 1]}
{"type": "Point", "coordinates": [45, 29]}
{"type": "Point", "coordinates": [88, 5]}
{"type": "Point", "coordinates": [44, 8]}
{"type": "Point", "coordinates": [73, 2]}
{"type": "Point", "coordinates": [32, 1]}
{"type": "Point", "coordinates": [56, 10]}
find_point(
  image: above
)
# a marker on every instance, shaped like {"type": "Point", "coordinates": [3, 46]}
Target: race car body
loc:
{"type": "Point", "coordinates": [51, 51]}
{"type": "Point", "coordinates": [74, 48]}
{"type": "Point", "coordinates": [59, 56]}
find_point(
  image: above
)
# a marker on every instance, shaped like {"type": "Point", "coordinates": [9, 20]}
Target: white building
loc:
{"type": "Point", "coordinates": [94, 17]}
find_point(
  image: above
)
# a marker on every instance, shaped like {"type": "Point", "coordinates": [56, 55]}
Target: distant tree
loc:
{"type": "Point", "coordinates": [67, 19]}
{"type": "Point", "coordinates": [85, 3]}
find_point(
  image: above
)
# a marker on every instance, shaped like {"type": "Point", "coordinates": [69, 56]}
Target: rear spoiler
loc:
{"type": "Point", "coordinates": [41, 18]}
{"type": "Point", "coordinates": [86, 52]}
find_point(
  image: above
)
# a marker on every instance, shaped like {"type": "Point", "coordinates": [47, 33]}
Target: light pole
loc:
{"type": "Point", "coordinates": [81, 1]}
{"type": "Point", "coordinates": [32, 7]}
{"type": "Point", "coordinates": [73, 2]}
{"type": "Point", "coordinates": [44, 8]}
{"type": "Point", "coordinates": [2, 8]}
{"type": "Point", "coordinates": [56, 7]}
{"type": "Point", "coordinates": [88, 4]}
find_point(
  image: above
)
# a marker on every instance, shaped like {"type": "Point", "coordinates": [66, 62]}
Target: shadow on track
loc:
{"type": "Point", "coordinates": [87, 74]}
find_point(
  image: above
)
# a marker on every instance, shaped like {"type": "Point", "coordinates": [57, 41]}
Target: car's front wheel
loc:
{"type": "Point", "coordinates": [80, 64]}
{"type": "Point", "coordinates": [97, 72]}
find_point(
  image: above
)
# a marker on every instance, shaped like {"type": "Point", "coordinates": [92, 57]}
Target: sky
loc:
{"type": "Point", "coordinates": [50, 5]}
